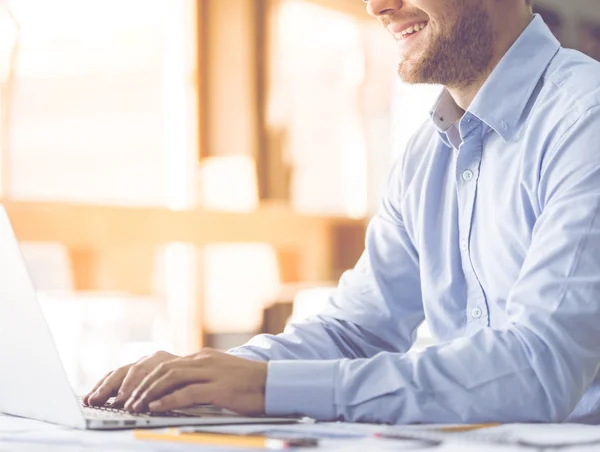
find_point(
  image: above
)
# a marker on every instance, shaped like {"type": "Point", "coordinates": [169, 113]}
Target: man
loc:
{"type": "Point", "coordinates": [489, 229]}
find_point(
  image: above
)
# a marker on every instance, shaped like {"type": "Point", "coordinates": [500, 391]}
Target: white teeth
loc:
{"type": "Point", "coordinates": [413, 29]}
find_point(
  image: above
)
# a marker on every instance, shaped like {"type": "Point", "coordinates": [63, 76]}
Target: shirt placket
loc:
{"type": "Point", "coordinates": [467, 176]}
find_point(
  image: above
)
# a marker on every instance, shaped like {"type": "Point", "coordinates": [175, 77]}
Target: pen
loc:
{"type": "Point", "coordinates": [224, 439]}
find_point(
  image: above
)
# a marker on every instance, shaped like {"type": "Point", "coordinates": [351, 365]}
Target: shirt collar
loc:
{"type": "Point", "coordinates": [503, 98]}
{"type": "Point", "coordinates": [445, 112]}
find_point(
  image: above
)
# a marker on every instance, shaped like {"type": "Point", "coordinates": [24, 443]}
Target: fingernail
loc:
{"type": "Point", "coordinates": [154, 405]}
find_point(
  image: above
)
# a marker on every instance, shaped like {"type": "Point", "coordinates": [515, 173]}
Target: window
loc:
{"type": "Point", "coordinates": [103, 111]}
{"type": "Point", "coordinates": [102, 90]}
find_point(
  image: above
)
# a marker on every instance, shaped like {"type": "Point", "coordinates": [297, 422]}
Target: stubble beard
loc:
{"type": "Point", "coordinates": [456, 58]}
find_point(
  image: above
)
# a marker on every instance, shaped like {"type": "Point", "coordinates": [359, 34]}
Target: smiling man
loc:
{"type": "Point", "coordinates": [489, 229]}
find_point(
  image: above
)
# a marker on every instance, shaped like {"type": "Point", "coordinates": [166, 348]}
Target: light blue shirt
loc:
{"type": "Point", "coordinates": [490, 230]}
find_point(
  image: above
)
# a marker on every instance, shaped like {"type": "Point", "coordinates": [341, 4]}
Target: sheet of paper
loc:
{"type": "Point", "coordinates": [12, 424]}
{"type": "Point", "coordinates": [528, 435]}
{"type": "Point", "coordinates": [336, 436]}
{"type": "Point", "coordinates": [544, 435]}
{"type": "Point", "coordinates": [330, 430]}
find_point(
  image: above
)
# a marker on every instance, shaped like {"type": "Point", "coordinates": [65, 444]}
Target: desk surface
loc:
{"type": "Point", "coordinates": [25, 435]}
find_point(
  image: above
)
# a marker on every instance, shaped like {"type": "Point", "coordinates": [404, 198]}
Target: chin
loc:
{"type": "Point", "coordinates": [409, 72]}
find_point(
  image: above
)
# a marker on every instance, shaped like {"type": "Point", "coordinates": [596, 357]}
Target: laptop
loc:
{"type": "Point", "coordinates": [33, 381]}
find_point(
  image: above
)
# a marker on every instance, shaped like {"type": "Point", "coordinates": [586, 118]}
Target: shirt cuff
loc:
{"type": "Point", "coordinates": [302, 388]}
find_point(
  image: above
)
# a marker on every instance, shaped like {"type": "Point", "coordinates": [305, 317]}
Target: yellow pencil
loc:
{"type": "Point", "coordinates": [214, 439]}
{"type": "Point", "coordinates": [467, 428]}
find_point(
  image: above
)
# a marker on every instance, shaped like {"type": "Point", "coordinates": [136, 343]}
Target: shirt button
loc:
{"type": "Point", "coordinates": [476, 313]}
{"type": "Point", "coordinates": [467, 175]}
{"type": "Point", "coordinates": [464, 246]}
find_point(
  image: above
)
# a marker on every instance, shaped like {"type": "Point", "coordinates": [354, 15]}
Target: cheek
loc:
{"type": "Point", "coordinates": [428, 6]}
{"type": "Point", "coordinates": [436, 32]}
{"type": "Point", "coordinates": [436, 27]}
{"type": "Point", "coordinates": [428, 36]}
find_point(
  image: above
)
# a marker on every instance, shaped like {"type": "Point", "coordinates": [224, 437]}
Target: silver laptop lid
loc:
{"type": "Point", "coordinates": [33, 382]}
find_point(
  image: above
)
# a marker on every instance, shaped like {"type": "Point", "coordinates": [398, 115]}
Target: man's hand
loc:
{"type": "Point", "coordinates": [123, 381]}
{"type": "Point", "coordinates": [209, 377]}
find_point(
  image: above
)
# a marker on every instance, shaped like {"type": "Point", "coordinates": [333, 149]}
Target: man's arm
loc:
{"type": "Point", "coordinates": [376, 307]}
{"type": "Point", "coordinates": [536, 369]}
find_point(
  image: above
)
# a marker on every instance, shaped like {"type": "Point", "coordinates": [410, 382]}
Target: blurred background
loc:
{"type": "Point", "coordinates": [188, 173]}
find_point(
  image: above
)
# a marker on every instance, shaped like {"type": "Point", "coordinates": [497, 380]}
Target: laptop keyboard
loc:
{"type": "Point", "coordinates": [107, 412]}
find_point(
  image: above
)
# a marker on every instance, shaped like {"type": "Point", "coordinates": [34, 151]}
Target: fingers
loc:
{"type": "Point", "coordinates": [170, 382]}
{"type": "Point", "coordinates": [176, 377]}
{"type": "Point", "coordinates": [195, 394]}
{"type": "Point", "coordinates": [123, 381]}
{"type": "Point", "coordinates": [108, 388]}
{"type": "Point", "coordinates": [86, 397]}
{"type": "Point", "coordinates": [134, 377]}
{"type": "Point", "coordinates": [209, 377]}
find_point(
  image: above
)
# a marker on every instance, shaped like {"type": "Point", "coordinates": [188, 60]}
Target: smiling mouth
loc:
{"type": "Point", "coordinates": [410, 31]}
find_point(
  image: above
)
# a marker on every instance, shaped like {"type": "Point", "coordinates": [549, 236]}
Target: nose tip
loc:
{"type": "Point", "coordinates": [378, 8]}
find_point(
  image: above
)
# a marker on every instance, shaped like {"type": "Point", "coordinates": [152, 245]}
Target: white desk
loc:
{"type": "Point", "coordinates": [25, 435]}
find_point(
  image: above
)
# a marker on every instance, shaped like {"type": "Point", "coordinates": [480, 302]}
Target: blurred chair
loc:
{"type": "Point", "coordinates": [276, 316]}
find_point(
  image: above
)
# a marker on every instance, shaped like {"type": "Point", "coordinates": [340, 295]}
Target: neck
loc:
{"type": "Point", "coordinates": [505, 38]}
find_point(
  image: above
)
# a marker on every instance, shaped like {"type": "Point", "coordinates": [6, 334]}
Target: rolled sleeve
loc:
{"type": "Point", "coordinates": [302, 388]}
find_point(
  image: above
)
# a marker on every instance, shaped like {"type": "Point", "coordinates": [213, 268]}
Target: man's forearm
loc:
{"type": "Point", "coordinates": [320, 338]}
{"type": "Point", "coordinates": [483, 378]}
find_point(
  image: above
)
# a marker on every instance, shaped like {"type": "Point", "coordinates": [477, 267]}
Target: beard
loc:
{"type": "Point", "coordinates": [458, 55]}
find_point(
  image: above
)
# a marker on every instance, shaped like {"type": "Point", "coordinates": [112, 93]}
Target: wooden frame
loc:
{"type": "Point", "coordinates": [314, 248]}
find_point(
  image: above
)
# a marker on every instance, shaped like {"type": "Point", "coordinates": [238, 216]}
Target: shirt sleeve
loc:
{"type": "Point", "coordinates": [536, 369]}
{"type": "Point", "coordinates": [376, 307]}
